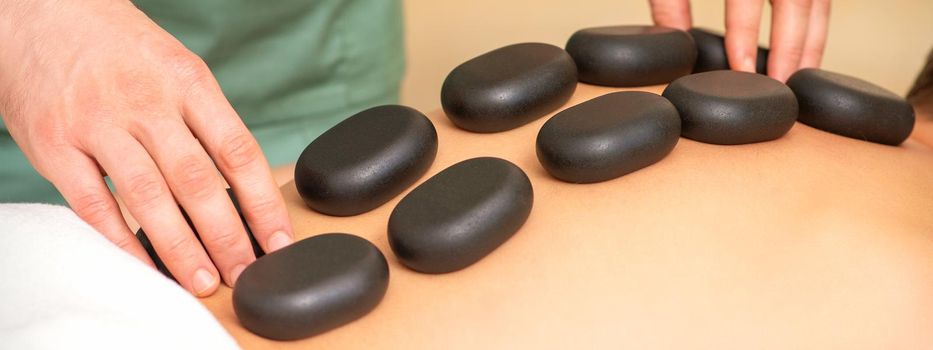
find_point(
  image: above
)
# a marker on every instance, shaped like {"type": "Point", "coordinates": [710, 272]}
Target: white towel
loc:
{"type": "Point", "coordinates": [64, 286]}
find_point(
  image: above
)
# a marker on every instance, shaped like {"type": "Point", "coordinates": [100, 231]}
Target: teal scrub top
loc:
{"type": "Point", "coordinates": [291, 69]}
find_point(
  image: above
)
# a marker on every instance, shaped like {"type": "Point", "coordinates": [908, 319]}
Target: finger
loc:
{"type": "Point", "coordinates": [148, 198]}
{"type": "Point", "coordinates": [84, 189]}
{"type": "Point", "coordinates": [238, 156]}
{"type": "Point", "coordinates": [816, 35]}
{"type": "Point", "coordinates": [671, 13]}
{"type": "Point", "coordinates": [197, 186]}
{"type": "Point", "coordinates": [743, 18]}
{"type": "Point", "coordinates": [789, 22]}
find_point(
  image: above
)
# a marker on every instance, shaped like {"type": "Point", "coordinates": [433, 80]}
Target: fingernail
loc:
{"type": "Point", "coordinates": [235, 273]}
{"type": "Point", "coordinates": [279, 240]}
{"type": "Point", "coordinates": [203, 282]}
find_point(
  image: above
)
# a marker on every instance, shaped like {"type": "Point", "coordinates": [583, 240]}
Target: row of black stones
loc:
{"type": "Point", "coordinates": [463, 213]}
{"type": "Point", "coordinates": [447, 223]}
{"type": "Point", "coordinates": [513, 85]}
{"type": "Point", "coordinates": [619, 133]}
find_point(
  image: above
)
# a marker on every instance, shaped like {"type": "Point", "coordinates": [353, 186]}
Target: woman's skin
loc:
{"type": "Point", "coordinates": [94, 87]}
{"type": "Point", "coordinates": [811, 241]}
{"type": "Point", "coordinates": [798, 31]}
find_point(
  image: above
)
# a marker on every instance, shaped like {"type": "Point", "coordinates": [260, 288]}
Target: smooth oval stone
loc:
{"type": "Point", "coordinates": [366, 160]}
{"type": "Point", "coordinates": [631, 55]}
{"type": "Point", "coordinates": [851, 107]}
{"type": "Point", "coordinates": [160, 265]}
{"type": "Point", "coordinates": [608, 136]}
{"type": "Point", "coordinates": [711, 52]}
{"type": "Point", "coordinates": [508, 87]}
{"type": "Point", "coordinates": [312, 286]}
{"type": "Point", "coordinates": [460, 215]}
{"type": "Point", "coordinates": [730, 107]}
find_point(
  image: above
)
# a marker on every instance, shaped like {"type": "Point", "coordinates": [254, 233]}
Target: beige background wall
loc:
{"type": "Point", "coordinates": [884, 42]}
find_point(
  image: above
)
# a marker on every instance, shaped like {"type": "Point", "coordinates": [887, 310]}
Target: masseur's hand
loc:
{"type": "Point", "coordinates": [94, 87]}
{"type": "Point", "coordinates": [798, 31]}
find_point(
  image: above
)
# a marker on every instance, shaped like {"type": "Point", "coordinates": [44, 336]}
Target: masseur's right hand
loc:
{"type": "Point", "coordinates": [798, 31]}
{"type": "Point", "coordinates": [94, 87]}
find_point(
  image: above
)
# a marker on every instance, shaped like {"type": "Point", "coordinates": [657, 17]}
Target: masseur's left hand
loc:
{"type": "Point", "coordinates": [798, 31]}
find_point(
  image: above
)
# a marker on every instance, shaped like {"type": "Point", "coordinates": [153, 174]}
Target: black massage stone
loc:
{"type": "Point", "coordinates": [160, 265]}
{"type": "Point", "coordinates": [312, 286]}
{"type": "Point", "coordinates": [508, 87]}
{"type": "Point", "coordinates": [460, 215]}
{"type": "Point", "coordinates": [729, 107]}
{"type": "Point", "coordinates": [608, 136]}
{"type": "Point", "coordinates": [631, 55]}
{"type": "Point", "coordinates": [851, 107]}
{"type": "Point", "coordinates": [711, 53]}
{"type": "Point", "coordinates": [366, 160]}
